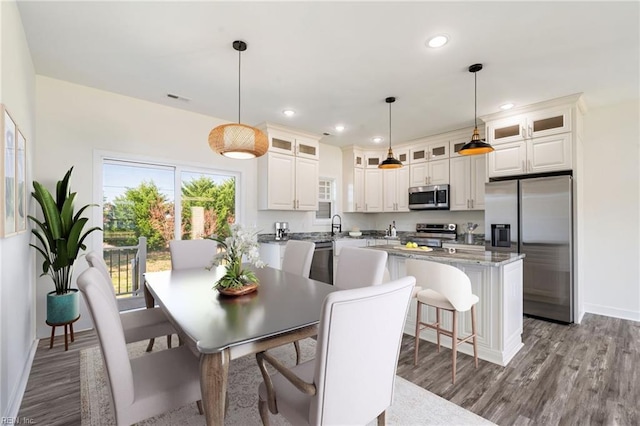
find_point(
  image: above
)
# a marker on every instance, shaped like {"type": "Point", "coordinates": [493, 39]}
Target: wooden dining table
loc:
{"type": "Point", "coordinates": [285, 308]}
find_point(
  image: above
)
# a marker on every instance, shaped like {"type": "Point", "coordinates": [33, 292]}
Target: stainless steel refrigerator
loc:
{"type": "Point", "coordinates": [535, 217]}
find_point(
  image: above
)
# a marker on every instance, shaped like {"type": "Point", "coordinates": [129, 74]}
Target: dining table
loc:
{"type": "Point", "coordinates": [285, 308]}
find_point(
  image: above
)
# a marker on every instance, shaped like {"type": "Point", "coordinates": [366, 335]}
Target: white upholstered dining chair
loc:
{"type": "Point", "coordinates": [187, 254]}
{"type": "Point", "coordinates": [351, 379]}
{"type": "Point", "coordinates": [139, 324]}
{"type": "Point", "coordinates": [142, 387]}
{"type": "Point", "coordinates": [444, 287]}
{"type": "Point", "coordinates": [298, 256]}
{"type": "Point", "coordinates": [360, 267]}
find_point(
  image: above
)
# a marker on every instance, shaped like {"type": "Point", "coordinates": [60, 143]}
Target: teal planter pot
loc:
{"type": "Point", "coordinates": [63, 308]}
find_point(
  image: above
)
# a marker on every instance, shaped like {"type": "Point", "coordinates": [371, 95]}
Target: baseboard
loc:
{"type": "Point", "coordinates": [15, 400]}
{"type": "Point", "coordinates": [611, 312]}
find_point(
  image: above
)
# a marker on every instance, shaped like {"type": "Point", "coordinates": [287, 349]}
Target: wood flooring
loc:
{"type": "Point", "coordinates": [587, 374]}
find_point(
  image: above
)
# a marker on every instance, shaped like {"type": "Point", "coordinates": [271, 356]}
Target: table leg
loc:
{"type": "Point", "coordinates": [149, 301]}
{"type": "Point", "coordinates": [214, 371]}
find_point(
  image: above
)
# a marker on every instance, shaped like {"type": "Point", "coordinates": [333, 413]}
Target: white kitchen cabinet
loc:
{"type": "Point", "coordinates": [353, 180]}
{"type": "Point", "coordinates": [468, 176]}
{"type": "Point", "coordinates": [373, 191]}
{"type": "Point", "coordinates": [395, 190]}
{"type": "Point", "coordinates": [272, 254]}
{"type": "Point", "coordinates": [539, 155]}
{"type": "Point", "coordinates": [429, 150]}
{"type": "Point", "coordinates": [429, 173]}
{"type": "Point", "coordinates": [374, 158]}
{"type": "Point", "coordinates": [531, 125]}
{"type": "Point", "coordinates": [288, 173]}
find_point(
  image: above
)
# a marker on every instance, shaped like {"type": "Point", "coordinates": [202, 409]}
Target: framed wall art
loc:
{"type": "Point", "coordinates": [21, 182]}
{"type": "Point", "coordinates": [8, 186]}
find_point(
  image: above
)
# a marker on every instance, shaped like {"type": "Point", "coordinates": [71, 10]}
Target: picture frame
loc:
{"type": "Point", "coordinates": [8, 172]}
{"type": "Point", "coordinates": [21, 182]}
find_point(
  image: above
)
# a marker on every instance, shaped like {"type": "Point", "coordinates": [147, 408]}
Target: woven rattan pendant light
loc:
{"type": "Point", "coordinates": [237, 140]}
{"type": "Point", "coordinates": [476, 145]}
{"type": "Point", "coordinates": [391, 162]}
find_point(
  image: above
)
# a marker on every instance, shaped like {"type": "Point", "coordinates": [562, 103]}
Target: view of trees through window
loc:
{"type": "Point", "coordinates": [139, 200]}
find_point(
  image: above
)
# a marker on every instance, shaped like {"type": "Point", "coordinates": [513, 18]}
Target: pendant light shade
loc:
{"type": "Point", "coordinates": [391, 162]}
{"type": "Point", "coordinates": [476, 145]}
{"type": "Point", "coordinates": [238, 140]}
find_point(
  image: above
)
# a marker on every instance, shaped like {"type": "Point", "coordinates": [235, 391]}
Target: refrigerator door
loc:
{"type": "Point", "coordinates": [546, 240]}
{"type": "Point", "coordinates": [500, 214]}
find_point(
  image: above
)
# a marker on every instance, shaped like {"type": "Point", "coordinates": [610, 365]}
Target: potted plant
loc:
{"type": "Point", "coordinates": [61, 237]}
{"type": "Point", "coordinates": [236, 243]}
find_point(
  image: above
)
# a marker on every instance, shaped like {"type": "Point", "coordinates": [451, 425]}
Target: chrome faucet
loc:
{"type": "Point", "coordinates": [337, 226]}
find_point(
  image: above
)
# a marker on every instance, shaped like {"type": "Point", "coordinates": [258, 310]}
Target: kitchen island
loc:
{"type": "Point", "coordinates": [496, 278]}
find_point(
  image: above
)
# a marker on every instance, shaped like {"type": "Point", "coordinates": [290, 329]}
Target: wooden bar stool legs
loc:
{"type": "Point", "coordinates": [68, 328]}
{"type": "Point", "coordinates": [453, 333]}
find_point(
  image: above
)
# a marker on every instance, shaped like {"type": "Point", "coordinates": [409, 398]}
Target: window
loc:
{"type": "Point", "coordinates": [326, 200]}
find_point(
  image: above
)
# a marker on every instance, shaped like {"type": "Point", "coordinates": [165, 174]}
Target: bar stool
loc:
{"type": "Point", "coordinates": [445, 287]}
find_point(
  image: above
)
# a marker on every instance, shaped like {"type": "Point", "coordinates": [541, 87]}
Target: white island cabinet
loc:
{"type": "Point", "coordinates": [496, 278]}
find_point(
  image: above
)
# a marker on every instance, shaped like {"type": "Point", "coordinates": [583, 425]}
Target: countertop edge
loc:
{"type": "Point", "coordinates": [450, 258]}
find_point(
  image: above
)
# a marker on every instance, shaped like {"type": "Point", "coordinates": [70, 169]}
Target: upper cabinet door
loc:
{"type": "Point", "coordinates": [438, 172]}
{"type": "Point", "coordinates": [281, 182]}
{"type": "Point", "coordinates": [551, 153]}
{"type": "Point", "coordinates": [507, 130]}
{"type": "Point", "coordinates": [374, 158]}
{"type": "Point", "coordinates": [307, 184]}
{"type": "Point", "coordinates": [418, 154]}
{"type": "Point", "coordinates": [282, 144]}
{"type": "Point", "coordinates": [549, 122]}
{"type": "Point", "coordinates": [508, 159]}
{"type": "Point", "coordinates": [438, 150]}
{"type": "Point", "coordinates": [418, 174]}
{"type": "Point", "coordinates": [307, 148]}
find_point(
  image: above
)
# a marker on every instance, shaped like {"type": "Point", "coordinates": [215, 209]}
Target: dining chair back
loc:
{"type": "Point", "coordinates": [187, 254]}
{"type": "Point", "coordinates": [298, 256]}
{"type": "Point", "coordinates": [146, 386]}
{"type": "Point", "coordinates": [136, 324]}
{"type": "Point", "coordinates": [360, 267]}
{"type": "Point", "coordinates": [352, 377]}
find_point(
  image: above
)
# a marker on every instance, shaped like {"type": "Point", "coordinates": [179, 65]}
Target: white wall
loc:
{"type": "Point", "coordinates": [612, 211]}
{"type": "Point", "coordinates": [17, 338]}
{"type": "Point", "coordinates": [74, 122]}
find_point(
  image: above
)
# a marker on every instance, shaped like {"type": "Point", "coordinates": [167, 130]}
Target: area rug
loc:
{"type": "Point", "coordinates": [412, 404]}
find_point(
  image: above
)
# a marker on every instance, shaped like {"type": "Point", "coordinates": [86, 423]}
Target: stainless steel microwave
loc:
{"type": "Point", "coordinates": [433, 197]}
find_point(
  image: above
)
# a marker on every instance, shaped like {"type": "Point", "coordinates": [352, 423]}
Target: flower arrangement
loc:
{"type": "Point", "coordinates": [239, 242]}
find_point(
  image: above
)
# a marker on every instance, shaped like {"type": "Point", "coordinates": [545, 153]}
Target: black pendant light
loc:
{"type": "Point", "coordinates": [476, 145]}
{"type": "Point", "coordinates": [390, 162]}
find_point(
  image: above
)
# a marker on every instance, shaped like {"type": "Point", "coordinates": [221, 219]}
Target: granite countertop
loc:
{"type": "Point", "coordinates": [477, 257]}
{"type": "Point", "coordinates": [320, 237]}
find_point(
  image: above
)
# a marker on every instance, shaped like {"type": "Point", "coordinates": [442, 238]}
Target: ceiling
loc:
{"type": "Point", "coordinates": [336, 62]}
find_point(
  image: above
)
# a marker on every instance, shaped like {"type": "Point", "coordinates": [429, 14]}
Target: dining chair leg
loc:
{"type": "Point", "coordinates": [296, 345]}
{"type": "Point", "coordinates": [150, 345]}
{"type": "Point", "coordinates": [263, 408]}
{"type": "Point", "coordinates": [438, 327]}
{"type": "Point", "coordinates": [454, 345]}
{"type": "Point", "coordinates": [418, 319]}
{"type": "Point", "coordinates": [382, 418]}
{"type": "Point", "coordinates": [475, 334]}
{"type": "Point", "coordinates": [169, 341]}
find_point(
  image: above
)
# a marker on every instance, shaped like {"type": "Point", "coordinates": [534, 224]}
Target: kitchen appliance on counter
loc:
{"type": "Point", "coordinates": [282, 231]}
{"type": "Point", "coordinates": [534, 216]}
{"type": "Point", "coordinates": [432, 197]}
{"type": "Point", "coordinates": [432, 234]}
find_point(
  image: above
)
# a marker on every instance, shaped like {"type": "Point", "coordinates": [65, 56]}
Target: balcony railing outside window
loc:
{"type": "Point", "coordinates": [127, 266]}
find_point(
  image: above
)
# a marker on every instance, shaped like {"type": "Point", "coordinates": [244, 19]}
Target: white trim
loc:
{"type": "Point", "coordinates": [609, 311]}
{"type": "Point", "coordinates": [99, 156]}
{"type": "Point", "coordinates": [15, 399]}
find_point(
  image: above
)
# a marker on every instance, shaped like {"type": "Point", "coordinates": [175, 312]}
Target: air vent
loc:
{"type": "Point", "coordinates": [178, 97]}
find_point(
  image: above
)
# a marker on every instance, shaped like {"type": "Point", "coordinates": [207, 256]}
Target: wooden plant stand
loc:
{"type": "Point", "coordinates": [68, 324]}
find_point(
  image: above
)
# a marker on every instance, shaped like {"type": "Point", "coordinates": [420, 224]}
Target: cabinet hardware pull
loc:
{"type": "Point", "coordinates": [472, 203]}
{"type": "Point", "coordinates": [530, 131]}
{"type": "Point", "coordinates": [294, 204]}
{"type": "Point", "coordinates": [522, 132]}
{"type": "Point", "coordinates": [467, 203]}
{"type": "Point", "coordinates": [366, 207]}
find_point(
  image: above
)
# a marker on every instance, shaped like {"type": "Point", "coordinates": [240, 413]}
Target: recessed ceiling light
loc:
{"type": "Point", "coordinates": [289, 112]}
{"type": "Point", "coordinates": [377, 139]}
{"type": "Point", "coordinates": [507, 106]}
{"type": "Point", "coordinates": [437, 41]}
{"type": "Point", "coordinates": [339, 127]}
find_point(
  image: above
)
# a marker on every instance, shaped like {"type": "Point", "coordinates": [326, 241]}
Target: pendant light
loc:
{"type": "Point", "coordinates": [476, 145]}
{"type": "Point", "coordinates": [238, 140]}
{"type": "Point", "coordinates": [390, 162]}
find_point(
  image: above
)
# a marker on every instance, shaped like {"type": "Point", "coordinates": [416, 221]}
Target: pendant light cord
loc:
{"type": "Point", "coordinates": [389, 125]}
{"type": "Point", "coordinates": [239, 80]}
{"type": "Point", "coordinates": [475, 99]}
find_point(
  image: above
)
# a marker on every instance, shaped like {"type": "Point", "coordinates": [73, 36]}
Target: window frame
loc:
{"type": "Point", "coordinates": [333, 201]}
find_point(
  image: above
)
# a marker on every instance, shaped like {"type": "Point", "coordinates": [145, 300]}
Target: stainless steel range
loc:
{"type": "Point", "coordinates": [432, 234]}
